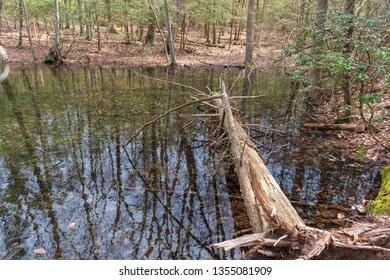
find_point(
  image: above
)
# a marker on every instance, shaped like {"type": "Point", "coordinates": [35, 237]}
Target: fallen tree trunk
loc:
{"type": "Point", "coordinates": [341, 126]}
{"type": "Point", "coordinates": [266, 204]}
{"type": "Point", "coordinates": [279, 232]}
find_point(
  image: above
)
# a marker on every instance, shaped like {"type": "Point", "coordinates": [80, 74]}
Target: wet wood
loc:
{"type": "Point", "coordinates": [341, 126]}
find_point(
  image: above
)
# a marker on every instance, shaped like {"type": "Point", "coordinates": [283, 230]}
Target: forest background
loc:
{"type": "Point", "coordinates": [335, 51]}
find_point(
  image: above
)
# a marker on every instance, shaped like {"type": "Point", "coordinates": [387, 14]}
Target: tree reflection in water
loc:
{"type": "Point", "coordinates": [68, 185]}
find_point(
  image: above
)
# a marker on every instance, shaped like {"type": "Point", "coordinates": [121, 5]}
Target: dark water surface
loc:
{"type": "Point", "coordinates": [69, 187]}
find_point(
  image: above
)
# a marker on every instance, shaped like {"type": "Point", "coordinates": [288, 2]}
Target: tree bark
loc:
{"type": "Point", "coordinates": [109, 17]}
{"type": "Point", "coordinates": [349, 13]}
{"type": "Point", "coordinates": [160, 30]}
{"type": "Point", "coordinates": [149, 39]}
{"type": "Point", "coordinates": [1, 17]}
{"type": "Point", "coordinates": [67, 9]}
{"type": "Point", "coordinates": [249, 34]}
{"type": "Point", "coordinates": [20, 42]}
{"type": "Point", "coordinates": [170, 38]}
{"type": "Point", "coordinates": [57, 24]}
{"type": "Point", "coordinates": [28, 31]}
{"type": "Point", "coordinates": [322, 9]}
{"type": "Point", "coordinates": [267, 206]}
{"type": "Point", "coordinates": [81, 16]}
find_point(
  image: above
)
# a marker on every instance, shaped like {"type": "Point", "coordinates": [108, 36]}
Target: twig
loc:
{"type": "Point", "coordinates": [280, 239]}
{"type": "Point", "coordinates": [246, 97]}
{"type": "Point", "coordinates": [170, 111]}
{"type": "Point", "coordinates": [186, 192]}
{"type": "Point", "coordinates": [170, 82]}
{"type": "Point", "coordinates": [377, 140]}
{"type": "Point", "coordinates": [239, 75]}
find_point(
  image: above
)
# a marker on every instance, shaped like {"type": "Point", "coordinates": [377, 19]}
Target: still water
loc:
{"type": "Point", "coordinates": [70, 187]}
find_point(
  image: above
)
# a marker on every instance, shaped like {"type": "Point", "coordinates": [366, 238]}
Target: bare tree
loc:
{"type": "Point", "coordinates": [349, 10]}
{"type": "Point", "coordinates": [57, 24]}
{"type": "Point", "coordinates": [249, 33]}
{"type": "Point", "coordinates": [322, 9]}
{"type": "Point", "coordinates": [81, 16]}
{"type": "Point", "coordinates": [1, 18]}
{"type": "Point", "coordinates": [170, 37]}
{"type": "Point", "coordinates": [20, 42]}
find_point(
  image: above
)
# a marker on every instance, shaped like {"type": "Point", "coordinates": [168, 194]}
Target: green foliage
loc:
{"type": "Point", "coordinates": [381, 205]}
{"type": "Point", "coordinates": [361, 151]}
{"type": "Point", "coordinates": [365, 57]}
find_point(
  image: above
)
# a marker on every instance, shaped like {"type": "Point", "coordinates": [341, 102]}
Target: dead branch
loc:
{"type": "Point", "coordinates": [233, 196]}
{"type": "Point", "coordinates": [246, 97]}
{"type": "Point", "coordinates": [276, 224]}
{"type": "Point", "coordinates": [168, 112]}
{"type": "Point", "coordinates": [170, 82]}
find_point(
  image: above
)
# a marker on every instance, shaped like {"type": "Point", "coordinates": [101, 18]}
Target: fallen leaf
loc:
{"type": "Point", "coordinates": [71, 225]}
{"type": "Point", "coordinates": [40, 251]}
{"type": "Point", "coordinates": [340, 216]}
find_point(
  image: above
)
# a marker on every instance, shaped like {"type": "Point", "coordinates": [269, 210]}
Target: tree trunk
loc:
{"type": "Point", "coordinates": [57, 24]}
{"type": "Point", "coordinates": [149, 39]}
{"type": "Point", "coordinates": [28, 31]}
{"type": "Point", "coordinates": [256, 35]}
{"type": "Point", "coordinates": [99, 39]}
{"type": "Point", "coordinates": [20, 43]}
{"type": "Point", "coordinates": [322, 9]}
{"type": "Point", "coordinates": [127, 30]}
{"type": "Point", "coordinates": [279, 232]}
{"type": "Point", "coordinates": [249, 33]}
{"type": "Point", "coordinates": [1, 18]}
{"type": "Point", "coordinates": [109, 17]}
{"type": "Point", "coordinates": [349, 14]}
{"type": "Point", "coordinates": [178, 18]}
{"type": "Point", "coordinates": [81, 16]}
{"type": "Point", "coordinates": [170, 38]}
{"type": "Point", "coordinates": [266, 204]}
{"type": "Point", "coordinates": [160, 30]}
{"type": "Point", "coordinates": [67, 9]}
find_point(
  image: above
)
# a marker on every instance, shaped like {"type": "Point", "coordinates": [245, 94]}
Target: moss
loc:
{"type": "Point", "coordinates": [381, 205]}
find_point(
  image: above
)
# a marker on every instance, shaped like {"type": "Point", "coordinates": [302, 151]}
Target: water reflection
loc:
{"type": "Point", "coordinates": [69, 187]}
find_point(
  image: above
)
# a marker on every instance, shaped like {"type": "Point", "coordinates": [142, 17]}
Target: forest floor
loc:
{"type": "Point", "coordinates": [368, 146]}
{"type": "Point", "coordinates": [116, 52]}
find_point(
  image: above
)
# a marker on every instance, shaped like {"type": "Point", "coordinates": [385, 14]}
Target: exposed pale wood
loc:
{"type": "Point", "coordinates": [246, 240]}
{"type": "Point", "coordinates": [267, 206]}
{"type": "Point", "coordinates": [341, 126]}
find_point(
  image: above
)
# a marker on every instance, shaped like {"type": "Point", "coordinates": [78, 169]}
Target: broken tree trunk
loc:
{"type": "Point", "coordinates": [266, 204]}
{"type": "Point", "coordinates": [279, 232]}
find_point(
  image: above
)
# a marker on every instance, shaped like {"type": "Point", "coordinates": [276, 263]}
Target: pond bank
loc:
{"type": "Point", "coordinates": [116, 53]}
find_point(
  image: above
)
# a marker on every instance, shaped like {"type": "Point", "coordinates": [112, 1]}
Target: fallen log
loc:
{"type": "Point", "coordinates": [279, 232]}
{"type": "Point", "coordinates": [341, 126]}
{"type": "Point", "coordinates": [266, 204]}
{"type": "Point", "coordinates": [215, 45]}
